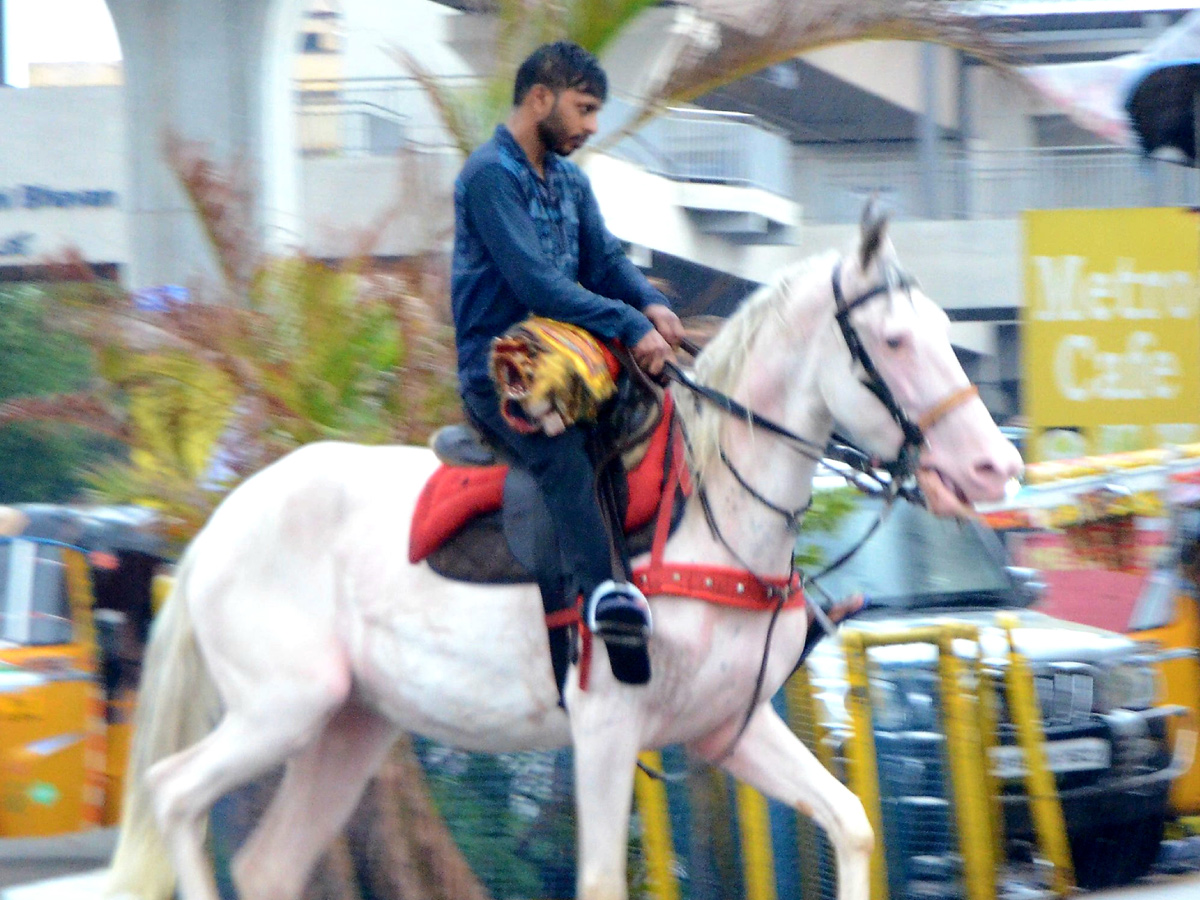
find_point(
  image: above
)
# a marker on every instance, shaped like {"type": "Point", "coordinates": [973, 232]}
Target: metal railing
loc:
{"type": "Point", "coordinates": [350, 128]}
{"type": "Point", "coordinates": [990, 184]}
{"type": "Point", "coordinates": [374, 116]}
{"type": "Point", "coordinates": [703, 146]}
{"type": "Point", "coordinates": [369, 116]}
{"type": "Point", "coordinates": [1003, 184]}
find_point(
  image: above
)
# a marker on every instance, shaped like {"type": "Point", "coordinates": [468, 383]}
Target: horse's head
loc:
{"type": "Point", "coordinates": [895, 342]}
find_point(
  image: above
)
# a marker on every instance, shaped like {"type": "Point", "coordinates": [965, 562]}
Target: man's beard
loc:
{"type": "Point", "coordinates": [553, 134]}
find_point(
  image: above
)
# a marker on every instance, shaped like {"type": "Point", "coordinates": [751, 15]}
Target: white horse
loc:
{"type": "Point", "coordinates": [298, 626]}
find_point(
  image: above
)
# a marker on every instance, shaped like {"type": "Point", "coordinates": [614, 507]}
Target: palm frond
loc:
{"type": "Point", "coordinates": [731, 39]}
{"type": "Point", "coordinates": [754, 34]}
{"type": "Point", "coordinates": [93, 411]}
{"type": "Point", "coordinates": [223, 201]}
{"type": "Point", "coordinates": [469, 115]}
{"type": "Point", "coordinates": [462, 111]}
{"type": "Point", "coordinates": [595, 25]}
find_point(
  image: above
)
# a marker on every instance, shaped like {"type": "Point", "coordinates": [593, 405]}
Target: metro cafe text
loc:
{"type": "Point", "coordinates": [1111, 330]}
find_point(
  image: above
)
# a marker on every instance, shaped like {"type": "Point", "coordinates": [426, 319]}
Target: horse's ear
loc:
{"type": "Point", "coordinates": [874, 230]}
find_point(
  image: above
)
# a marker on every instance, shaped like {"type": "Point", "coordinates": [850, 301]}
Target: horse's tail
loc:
{"type": "Point", "coordinates": [177, 705]}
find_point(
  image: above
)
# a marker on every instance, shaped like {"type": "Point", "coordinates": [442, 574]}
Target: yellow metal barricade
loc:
{"type": "Point", "coordinates": [967, 746]}
{"type": "Point", "coordinates": [805, 720]}
{"type": "Point", "coordinates": [651, 796]}
{"type": "Point", "coordinates": [863, 766]}
{"type": "Point", "coordinates": [969, 708]}
{"type": "Point", "coordinates": [969, 720]}
{"type": "Point", "coordinates": [1045, 808]}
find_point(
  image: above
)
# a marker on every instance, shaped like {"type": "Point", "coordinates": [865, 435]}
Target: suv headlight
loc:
{"type": "Point", "coordinates": [890, 708]}
{"type": "Point", "coordinates": [904, 704]}
{"type": "Point", "coordinates": [1126, 686]}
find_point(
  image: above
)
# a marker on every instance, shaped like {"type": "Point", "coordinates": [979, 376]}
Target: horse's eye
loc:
{"type": "Point", "coordinates": [895, 343]}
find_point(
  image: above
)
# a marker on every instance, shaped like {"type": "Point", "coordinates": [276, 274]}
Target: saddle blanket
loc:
{"type": "Point", "coordinates": [454, 496]}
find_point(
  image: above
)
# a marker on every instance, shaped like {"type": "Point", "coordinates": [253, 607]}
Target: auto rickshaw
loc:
{"type": "Point", "coordinates": [76, 587]}
{"type": "Point", "coordinates": [1168, 613]}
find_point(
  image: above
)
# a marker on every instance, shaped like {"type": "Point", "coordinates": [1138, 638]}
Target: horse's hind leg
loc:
{"type": "Point", "coordinates": [320, 788]}
{"type": "Point", "coordinates": [249, 740]}
{"type": "Point", "coordinates": [772, 759]}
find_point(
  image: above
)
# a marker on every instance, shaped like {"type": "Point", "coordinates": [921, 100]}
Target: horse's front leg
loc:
{"type": "Point", "coordinates": [606, 732]}
{"type": "Point", "coordinates": [772, 759]}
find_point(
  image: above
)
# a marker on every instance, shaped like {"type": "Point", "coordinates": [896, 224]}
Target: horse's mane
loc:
{"type": "Point", "coordinates": [721, 364]}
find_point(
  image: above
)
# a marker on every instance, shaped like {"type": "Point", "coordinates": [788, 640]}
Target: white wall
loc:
{"type": "Point", "coordinates": [373, 28]}
{"type": "Point", "coordinates": [73, 140]}
{"type": "Point", "coordinates": [960, 263]}
{"type": "Point", "coordinates": [1001, 108]}
{"type": "Point", "coordinates": [66, 140]}
{"type": "Point", "coordinates": [388, 206]}
{"type": "Point", "coordinates": [892, 70]}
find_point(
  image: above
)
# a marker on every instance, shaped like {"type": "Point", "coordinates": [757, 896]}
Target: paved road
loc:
{"type": "Point", "coordinates": [69, 868]}
{"type": "Point", "coordinates": [1161, 887]}
{"type": "Point", "coordinates": [35, 859]}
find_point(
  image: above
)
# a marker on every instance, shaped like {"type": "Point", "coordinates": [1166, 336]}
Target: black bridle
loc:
{"type": "Point", "coordinates": [914, 438]}
{"type": "Point", "coordinates": [858, 467]}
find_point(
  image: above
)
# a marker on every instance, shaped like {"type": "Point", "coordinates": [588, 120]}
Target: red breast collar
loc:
{"type": "Point", "coordinates": [712, 584]}
{"type": "Point", "coordinates": [718, 584]}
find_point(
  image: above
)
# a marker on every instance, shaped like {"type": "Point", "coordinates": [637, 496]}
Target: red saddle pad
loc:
{"type": "Point", "coordinates": [454, 495]}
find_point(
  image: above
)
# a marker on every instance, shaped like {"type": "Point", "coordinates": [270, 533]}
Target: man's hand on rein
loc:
{"type": "Point", "coordinates": [665, 322]}
{"type": "Point", "coordinates": [652, 351]}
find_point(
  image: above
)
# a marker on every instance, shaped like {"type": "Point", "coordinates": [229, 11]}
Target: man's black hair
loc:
{"type": "Point", "coordinates": [560, 66]}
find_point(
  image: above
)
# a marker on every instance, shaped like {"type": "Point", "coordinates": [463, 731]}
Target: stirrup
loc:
{"type": "Point", "coordinates": [617, 613]}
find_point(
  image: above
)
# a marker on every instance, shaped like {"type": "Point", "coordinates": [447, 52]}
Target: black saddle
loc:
{"type": "Point", "coordinates": [462, 445]}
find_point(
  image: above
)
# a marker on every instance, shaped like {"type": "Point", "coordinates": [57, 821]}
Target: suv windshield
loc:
{"type": "Point", "coordinates": [914, 559]}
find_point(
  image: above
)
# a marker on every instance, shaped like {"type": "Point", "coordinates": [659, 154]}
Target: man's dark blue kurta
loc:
{"type": "Point", "coordinates": [526, 245]}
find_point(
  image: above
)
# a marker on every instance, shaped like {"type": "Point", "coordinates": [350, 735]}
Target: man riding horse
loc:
{"type": "Point", "coordinates": [529, 240]}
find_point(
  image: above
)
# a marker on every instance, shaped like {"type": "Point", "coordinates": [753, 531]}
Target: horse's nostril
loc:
{"type": "Point", "coordinates": [986, 469]}
{"type": "Point", "coordinates": [993, 471]}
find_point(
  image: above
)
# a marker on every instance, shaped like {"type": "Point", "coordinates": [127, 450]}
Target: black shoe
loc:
{"type": "Point", "coordinates": [618, 613]}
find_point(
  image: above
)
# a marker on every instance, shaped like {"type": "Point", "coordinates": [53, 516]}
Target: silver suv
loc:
{"type": "Point", "coordinates": [1098, 692]}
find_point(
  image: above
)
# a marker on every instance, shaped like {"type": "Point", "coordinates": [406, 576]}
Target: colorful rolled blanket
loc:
{"type": "Point", "coordinates": [550, 375]}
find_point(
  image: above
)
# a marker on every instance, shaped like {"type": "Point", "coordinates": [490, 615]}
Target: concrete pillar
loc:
{"type": "Point", "coordinates": [966, 127]}
{"type": "Point", "coordinates": [217, 72]}
{"type": "Point", "coordinates": [3, 44]}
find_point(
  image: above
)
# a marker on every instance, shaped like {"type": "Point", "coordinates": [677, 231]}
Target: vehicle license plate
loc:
{"type": "Point", "coordinates": [1071, 755]}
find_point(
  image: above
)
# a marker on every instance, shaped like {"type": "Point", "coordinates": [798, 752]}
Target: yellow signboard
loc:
{"type": "Point", "coordinates": [1111, 330]}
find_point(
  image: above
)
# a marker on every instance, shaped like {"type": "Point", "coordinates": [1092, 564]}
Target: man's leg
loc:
{"type": "Point", "coordinates": [565, 474]}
